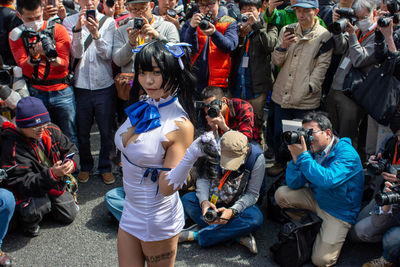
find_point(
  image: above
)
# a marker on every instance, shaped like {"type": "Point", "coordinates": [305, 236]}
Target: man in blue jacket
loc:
{"type": "Point", "coordinates": [327, 178]}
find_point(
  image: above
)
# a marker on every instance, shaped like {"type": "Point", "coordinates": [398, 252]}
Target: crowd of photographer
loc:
{"type": "Point", "coordinates": [76, 60]}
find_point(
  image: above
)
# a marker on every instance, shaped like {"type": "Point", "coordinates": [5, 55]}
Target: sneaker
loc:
{"type": "Point", "coordinates": [32, 231]}
{"type": "Point", "coordinates": [193, 227]}
{"type": "Point", "coordinates": [83, 177]}
{"type": "Point", "coordinates": [249, 242]}
{"type": "Point", "coordinates": [186, 236]}
{"type": "Point", "coordinates": [275, 170]}
{"type": "Point", "coordinates": [379, 262]}
{"type": "Point", "coordinates": [108, 178]}
{"type": "Point", "coordinates": [5, 260]}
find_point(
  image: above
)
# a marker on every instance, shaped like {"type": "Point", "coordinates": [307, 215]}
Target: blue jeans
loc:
{"type": "Point", "coordinates": [114, 200]}
{"type": "Point", "coordinates": [280, 114]}
{"type": "Point", "coordinates": [247, 221]}
{"type": "Point", "coordinates": [7, 206]}
{"type": "Point", "coordinates": [62, 109]}
{"type": "Point", "coordinates": [98, 105]}
{"type": "Point", "coordinates": [391, 245]}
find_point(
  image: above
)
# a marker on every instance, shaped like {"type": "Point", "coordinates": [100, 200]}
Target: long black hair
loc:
{"type": "Point", "coordinates": [175, 80]}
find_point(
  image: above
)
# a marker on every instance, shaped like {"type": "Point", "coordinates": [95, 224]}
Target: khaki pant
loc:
{"type": "Point", "coordinates": [333, 231]}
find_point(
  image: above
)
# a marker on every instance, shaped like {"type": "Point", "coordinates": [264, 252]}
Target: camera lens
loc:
{"type": "Point", "coordinates": [211, 215]}
{"type": "Point", "coordinates": [339, 26]}
{"type": "Point", "coordinates": [213, 111]}
{"type": "Point", "coordinates": [290, 137]}
{"type": "Point", "coordinates": [387, 198]}
{"type": "Point", "coordinates": [204, 24]}
{"type": "Point", "coordinates": [48, 46]}
{"type": "Point", "coordinates": [138, 23]}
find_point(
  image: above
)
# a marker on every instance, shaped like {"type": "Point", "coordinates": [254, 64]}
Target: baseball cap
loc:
{"type": "Point", "coordinates": [233, 150]}
{"type": "Point", "coordinates": [136, 1]}
{"type": "Point", "coordinates": [307, 3]}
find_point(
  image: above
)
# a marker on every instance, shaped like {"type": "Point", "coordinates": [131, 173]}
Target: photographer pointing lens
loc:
{"type": "Point", "coordinates": [41, 49]}
{"type": "Point", "coordinates": [224, 207]}
{"type": "Point", "coordinates": [325, 177]}
{"type": "Point", "coordinates": [379, 221]}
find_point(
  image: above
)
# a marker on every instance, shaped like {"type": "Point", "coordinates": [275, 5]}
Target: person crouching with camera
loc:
{"type": "Point", "coordinates": [379, 221]}
{"type": "Point", "coordinates": [42, 159]}
{"type": "Point", "coordinates": [41, 49]}
{"type": "Point", "coordinates": [327, 178]}
{"type": "Point", "coordinates": [224, 207]}
{"type": "Point", "coordinates": [213, 36]}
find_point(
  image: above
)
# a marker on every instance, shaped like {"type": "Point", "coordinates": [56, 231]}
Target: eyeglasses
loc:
{"type": "Point", "coordinates": [209, 5]}
{"type": "Point", "coordinates": [40, 127]}
{"type": "Point", "coordinates": [137, 10]}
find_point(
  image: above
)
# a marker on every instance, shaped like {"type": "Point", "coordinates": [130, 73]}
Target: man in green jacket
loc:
{"type": "Point", "coordinates": [283, 17]}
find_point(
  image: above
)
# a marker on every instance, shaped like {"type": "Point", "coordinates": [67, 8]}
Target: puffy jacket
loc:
{"type": "Point", "coordinates": [32, 178]}
{"type": "Point", "coordinates": [261, 45]}
{"type": "Point", "coordinates": [337, 183]}
{"type": "Point", "coordinates": [299, 81]}
{"type": "Point", "coordinates": [219, 62]}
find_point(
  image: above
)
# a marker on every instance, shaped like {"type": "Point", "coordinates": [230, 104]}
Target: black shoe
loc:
{"type": "Point", "coordinates": [5, 260]}
{"type": "Point", "coordinates": [32, 232]}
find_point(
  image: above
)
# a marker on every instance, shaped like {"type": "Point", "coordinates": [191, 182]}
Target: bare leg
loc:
{"type": "Point", "coordinates": [161, 253]}
{"type": "Point", "coordinates": [129, 250]}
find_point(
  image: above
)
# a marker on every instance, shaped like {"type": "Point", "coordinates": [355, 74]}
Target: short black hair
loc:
{"type": "Point", "coordinates": [319, 117]}
{"type": "Point", "coordinates": [30, 5]}
{"type": "Point", "coordinates": [212, 91]}
{"type": "Point", "coordinates": [5, 2]}
{"type": "Point", "coordinates": [256, 3]}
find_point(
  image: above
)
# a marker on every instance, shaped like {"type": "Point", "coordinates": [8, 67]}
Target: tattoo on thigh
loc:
{"type": "Point", "coordinates": [164, 256]}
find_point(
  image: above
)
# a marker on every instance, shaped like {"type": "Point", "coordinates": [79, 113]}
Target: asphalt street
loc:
{"type": "Point", "coordinates": [91, 240]}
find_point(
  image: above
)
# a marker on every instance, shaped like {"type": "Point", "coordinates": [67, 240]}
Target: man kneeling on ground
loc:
{"type": "Point", "coordinates": [224, 207]}
{"type": "Point", "coordinates": [39, 150]}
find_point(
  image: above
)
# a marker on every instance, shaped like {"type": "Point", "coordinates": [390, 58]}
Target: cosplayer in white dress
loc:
{"type": "Point", "coordinates": [148, 214]}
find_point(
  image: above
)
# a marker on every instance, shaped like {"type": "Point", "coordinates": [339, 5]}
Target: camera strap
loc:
{"type": "Point", "coordinates": [394, 162]}
{"type": "Point", "coordinates": [364, 36]}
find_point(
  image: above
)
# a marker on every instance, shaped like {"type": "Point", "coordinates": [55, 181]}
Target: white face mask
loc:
{"type": "Point", "coordinates": [364, 24]}
{"type": "Point", "coordinates": [35, 25]}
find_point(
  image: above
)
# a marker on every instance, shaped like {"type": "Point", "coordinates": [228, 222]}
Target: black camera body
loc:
{"type": "Point", "coordinates": [205, 21]}
{"type": "Point", "coordinates": [383, 165]}
{"type": "Point", "coordinates": [138, 23]}
{"type": "Point", "coordinates": [213, 108]}
{"type": "Point", "coordinates": [293, 137]}
{"type": "Point", "coordinates": [6, 75]}
{"type": "Point", "coordinates": [393, 7]}
{"type": "Point", "coordinates": [30, 37]}
{"type": "Point", "coordinates": [211, 215]}
{"type": "Point", "coordinates": [388, 198]}
{"type": "Point", "coordinates": [110, 3]}
{"type": "Point", "coordinates": [172, 13]}
{"type": "Point", "coordinates": [346, 15]}
{"type": "Point", "coordinates": [190, 9]}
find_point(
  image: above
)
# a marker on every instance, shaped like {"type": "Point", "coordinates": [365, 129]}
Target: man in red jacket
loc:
{"type": "Point", "coordinates": [39, 150]}
{"type": "Point", "coordinates": [46, 70]}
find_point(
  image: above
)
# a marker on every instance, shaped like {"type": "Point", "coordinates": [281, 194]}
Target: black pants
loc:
{"type": "Point", "coordinates": [63, 209]}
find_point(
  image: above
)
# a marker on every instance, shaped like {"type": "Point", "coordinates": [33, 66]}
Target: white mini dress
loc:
{"type": "Point", "coordinates": [148, 214]}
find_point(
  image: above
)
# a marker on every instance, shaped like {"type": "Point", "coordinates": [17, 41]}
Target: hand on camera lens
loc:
{"type": "Point", "coordinates": [195, 21]}
{"type": "Point", "coordinates": [226, 215]}
{"type": "Point", "coordinates": [335, 16]}
{"type": "Point", "coordinates": [148, 30]}
{"type": "Point", "coordinates": [390, 177]}
{"type": "Point", "coordinates": [297, 149]}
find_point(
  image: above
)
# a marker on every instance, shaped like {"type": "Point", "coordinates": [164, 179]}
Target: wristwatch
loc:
{"type": "Point", "coordinates": [235, 213]}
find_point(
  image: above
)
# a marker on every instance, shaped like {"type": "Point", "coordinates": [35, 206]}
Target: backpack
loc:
{"type": "Point", "coordinates": [296, 239]}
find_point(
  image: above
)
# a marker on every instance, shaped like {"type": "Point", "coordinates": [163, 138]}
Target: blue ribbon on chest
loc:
{"type": "Point", "coordinates": [145, 116]}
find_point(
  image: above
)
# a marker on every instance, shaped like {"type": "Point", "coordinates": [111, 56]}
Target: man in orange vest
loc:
{"type": "Point", "coordinates": [213, 35]}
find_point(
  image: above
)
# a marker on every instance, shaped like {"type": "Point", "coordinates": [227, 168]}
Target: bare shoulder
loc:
{"type": "Point", "coordinates": [183, 135]}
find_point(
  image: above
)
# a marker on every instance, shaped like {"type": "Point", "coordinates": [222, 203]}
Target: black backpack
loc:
{"type": "Point", "coordinates": [296, 239]}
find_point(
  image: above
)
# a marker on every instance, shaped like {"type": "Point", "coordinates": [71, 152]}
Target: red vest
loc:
{"type": "Point", "coordinates": [219, 63]}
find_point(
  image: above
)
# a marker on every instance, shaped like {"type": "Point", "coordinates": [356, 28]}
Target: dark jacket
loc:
{"type": "Point", "coordinates": [262, 43]}
{"type": "Point", "coordinates": [32, 178]}
{"type": "Point", "coordinates": [382, 52]}
{"type": "Point", "coordinates": [8, 21]}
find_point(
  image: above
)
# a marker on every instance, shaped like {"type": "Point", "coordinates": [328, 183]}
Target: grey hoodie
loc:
{"type": "Point", "coordinates": [122, 50]}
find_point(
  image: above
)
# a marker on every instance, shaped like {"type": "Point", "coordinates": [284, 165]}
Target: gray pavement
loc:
{"type": "Point", "coordinates": [91, 240]}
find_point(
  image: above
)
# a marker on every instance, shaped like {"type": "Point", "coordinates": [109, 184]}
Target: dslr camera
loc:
{"type": "Point", "coordinates": [382, 165]}
{"type": "Point", "coordinates": [205, 21]}
{"type": "Point", "coordinates": [190, 9]}
{"type": "Point", "coordinates": [388, 198]}
{"type": "Point", "coordinates": [213, 108]}
{"type": "Point", "coordinates": [211, 215]}
{"type": "Point", "coordinates": [293, 137]}
{"type": "Point", "coordinates": [244, 18]}
{"type": "Point", "coordinates": [30, 37]}
{"type": "Point", "coordinates": [138, 23]}
{"type": "Point", "coordinates": [346, 15]}
{"type": "Point", "coordinates": [393, 7]}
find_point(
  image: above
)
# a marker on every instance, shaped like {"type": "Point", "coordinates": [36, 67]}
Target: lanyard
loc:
{"type": "Point", "coordinates": [142, 40]}
{"type": "Point", "coordinates": [247, 45]}
{"type": "Point", "coordinates": [365, 36]}
{"type": "Point", "coordinates": [9, 6]}
{"type": "Point", "coordinates": [395, 155]}
{"type": "Point", "coordinates": [223, 180]}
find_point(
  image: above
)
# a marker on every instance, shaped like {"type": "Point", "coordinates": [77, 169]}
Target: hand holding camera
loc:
{"type": "Point", "coordinates": [148, 30]}
{"type": "Point", "coordinates": [195, 21]}
{"type": "Point", "coordinates": [133, 35]}
{"type": "Point", "coordinates": [289, 37]}
{"type": "Point", "coordinates": [59, 169]}
{"type": "Point", "coordinates": [272, 5]}
{"type": "Point", "coordinates": [92, 23]}
{"type": "Point", "coordinates": [50, 10]}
